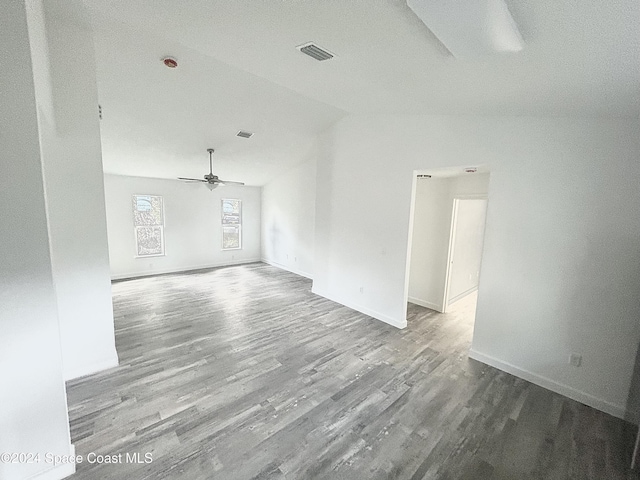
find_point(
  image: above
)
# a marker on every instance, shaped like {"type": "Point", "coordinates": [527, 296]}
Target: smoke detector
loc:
{"type": "Point", "coordinates": [170, 62]}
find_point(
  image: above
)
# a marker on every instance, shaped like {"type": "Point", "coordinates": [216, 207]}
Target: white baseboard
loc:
{"type": "Point", "coordinates": [424, 303]}
{"type": "Point", "coordinates": [618, 411]}
{"type": "Point", "coordinates": [92, 368]}
{"type": "Point", "coordinates": [462, 295]}
{"type": "Point", "coordinates": [288, 269]}
{"type": "Point", "coordinates": [367, 311]}
{"type": "Point", "coordinates": [58, 472]}
{"type": "Point", "coordinates": [162, 271]}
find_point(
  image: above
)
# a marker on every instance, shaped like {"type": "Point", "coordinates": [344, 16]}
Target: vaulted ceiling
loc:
{"type": "Point", "coordinates": [239, 69]}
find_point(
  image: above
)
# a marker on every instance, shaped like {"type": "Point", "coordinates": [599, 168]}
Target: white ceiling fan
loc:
{"type": "Point", "coordinates": [210, 179]}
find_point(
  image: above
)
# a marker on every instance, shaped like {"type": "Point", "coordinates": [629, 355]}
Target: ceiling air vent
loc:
{"type": "Point", "coordinates": [314, 51]}
{"type": "Point", "coordinates": [244, 134]}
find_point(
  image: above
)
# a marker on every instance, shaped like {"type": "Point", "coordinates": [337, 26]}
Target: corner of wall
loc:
{"type": "Point", "coordinates": [62, 470]}
{"type": "Point", "coordinates": [111, 361]}
{"type": "Point", "coordinates": [288, 269]}
{"type": "Point", "coordinates": [616, 410]}
{"type": "Point", "coordinates": [394, 322]}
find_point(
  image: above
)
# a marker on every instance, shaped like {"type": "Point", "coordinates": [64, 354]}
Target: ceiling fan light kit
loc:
{"type": "Point", "coordinates": [212, 181]}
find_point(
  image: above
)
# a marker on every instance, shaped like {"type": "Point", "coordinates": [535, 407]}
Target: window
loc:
{"type": "Point", "coordinates": [148, 224]}
{"type": "Point", "coordinates": [231, 224]}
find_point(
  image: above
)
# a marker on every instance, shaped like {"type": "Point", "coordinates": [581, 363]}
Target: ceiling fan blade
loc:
{"type": "Point", "coordinates": [227, 182]}
{"type": "Point", "coordinates": [191, 179]}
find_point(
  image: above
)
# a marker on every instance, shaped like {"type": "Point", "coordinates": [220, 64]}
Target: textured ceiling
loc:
{"type": "Point", "coordinates": [239, 69]}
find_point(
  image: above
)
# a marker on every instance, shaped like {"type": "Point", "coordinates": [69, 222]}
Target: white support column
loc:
{"type": "Point", "coordinates": [33, 407]}
{"type": "Point", "coordinates": [74, 186]}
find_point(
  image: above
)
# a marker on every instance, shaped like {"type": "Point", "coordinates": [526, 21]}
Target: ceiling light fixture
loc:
{"type": "Point", "coordinates": [470, 29]}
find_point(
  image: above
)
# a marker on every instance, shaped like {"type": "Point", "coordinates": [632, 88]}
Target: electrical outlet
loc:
{"type": "Point", "coordinates": [361, 289]}
{"type": "Point", "coordinates": [575, 359]}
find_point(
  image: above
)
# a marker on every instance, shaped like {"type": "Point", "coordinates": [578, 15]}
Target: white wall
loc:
{"type": "Point", "coordinates": [193, 237]}
{"type": "Point", "coordinates": [430, 242]}
{"type": "Point", "coordinates": [75, 200]}
{"type": "Point", "coordinates": [473, 184]}
{"type": "Point", "coordinates": [561, 263]}
{"type": "Point", "coordinates": [288, 219]}
{"type": "Point", "coordinates": [33, 408]}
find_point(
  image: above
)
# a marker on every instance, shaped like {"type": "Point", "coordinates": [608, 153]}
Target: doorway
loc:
{"type": "Point", "coordinates": [465, 248]}
{"type": "Point", "coordinates": [446, 235]}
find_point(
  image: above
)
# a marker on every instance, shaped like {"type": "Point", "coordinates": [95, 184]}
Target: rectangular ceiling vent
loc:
{"type": "Point", "coordinates": [314, 51]}
{"type": "Point", "coordinates": [244, 134]}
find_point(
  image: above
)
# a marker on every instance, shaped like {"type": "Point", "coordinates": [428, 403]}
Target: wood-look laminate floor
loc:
{"type": "Point", "coordinates": [241, 373]}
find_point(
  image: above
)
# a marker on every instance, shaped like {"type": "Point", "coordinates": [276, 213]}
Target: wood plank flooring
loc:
{"type": "Point", "coordinates": [242, 373]}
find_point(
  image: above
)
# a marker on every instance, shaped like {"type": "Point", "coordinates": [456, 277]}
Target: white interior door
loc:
{"type": "Point", "coordinates": [465, 251]}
